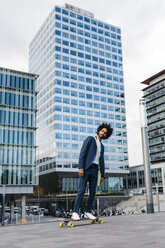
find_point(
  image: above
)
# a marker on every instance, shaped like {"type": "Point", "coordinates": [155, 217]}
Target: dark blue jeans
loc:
{"type": "Point", "coordinates": [90, 175]}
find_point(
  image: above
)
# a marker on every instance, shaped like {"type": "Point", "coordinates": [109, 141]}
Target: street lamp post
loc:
{"type": "Point", "coordinates": [38, 189]}
{"type": "Point", "coordinates": [3, 206]}
{"type": "Point", "coordinates": [146, 157]}
{"type": "Point", "coordinates": [67, 199]}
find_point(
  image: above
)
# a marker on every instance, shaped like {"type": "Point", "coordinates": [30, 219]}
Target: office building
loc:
{"type": "Point", "coordinates": [17, 133]}
{"type": "Point", "coordinates": [154, 94]}
{"type": "Point", "coordinates": [81, 85]}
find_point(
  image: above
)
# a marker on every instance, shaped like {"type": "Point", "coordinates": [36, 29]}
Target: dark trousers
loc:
{"type": "Point", "coordinates": [90, 175]}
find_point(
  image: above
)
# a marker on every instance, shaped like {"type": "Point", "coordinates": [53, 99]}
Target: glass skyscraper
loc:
{"type": "Point", "coordinates": [17, 131]}
{"type": "Point", "coordinates": [79, 62]}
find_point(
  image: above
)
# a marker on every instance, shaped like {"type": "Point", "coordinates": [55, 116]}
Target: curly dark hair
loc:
{"type": "Point", "coordinates": [108, 127]}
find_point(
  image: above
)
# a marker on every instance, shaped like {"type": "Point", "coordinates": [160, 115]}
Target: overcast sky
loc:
{"type": "Point", "coordinates": [142, 24]}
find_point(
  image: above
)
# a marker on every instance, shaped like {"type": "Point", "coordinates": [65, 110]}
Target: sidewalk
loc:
{"type": "Point", "coordinates": [141, 230]}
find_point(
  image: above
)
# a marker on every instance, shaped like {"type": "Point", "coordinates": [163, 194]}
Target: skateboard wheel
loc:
{"type": "Point", "coordinates": [70, 224]}
{"type": "Point", "coordinates": [100, 221]}
{"type": "Point", "coordinates": [92, 221]}
{"type": "Point", "coordinates": [61, 224]}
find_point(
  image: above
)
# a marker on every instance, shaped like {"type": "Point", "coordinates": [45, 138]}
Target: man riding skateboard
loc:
{"type": "Point", "coordinates": [91, 169]}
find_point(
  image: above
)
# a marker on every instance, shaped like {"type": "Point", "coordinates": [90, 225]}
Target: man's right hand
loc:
{"type": "Point", "coordinates": [81, 172]}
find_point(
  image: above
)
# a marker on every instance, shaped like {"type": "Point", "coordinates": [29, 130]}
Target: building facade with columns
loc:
{"type": "Point", "coordinates": [136, 178]}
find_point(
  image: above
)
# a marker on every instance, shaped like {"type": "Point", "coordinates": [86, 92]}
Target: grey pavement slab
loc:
{"type": "Point", "coordinates": [128, 231]}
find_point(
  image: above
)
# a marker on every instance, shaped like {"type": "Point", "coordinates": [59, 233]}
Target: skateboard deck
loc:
{"type": "Point", "coordinates": [70, 223]}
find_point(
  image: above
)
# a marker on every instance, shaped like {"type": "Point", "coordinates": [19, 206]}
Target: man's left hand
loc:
{"type": "Point", "coordinates": [102, 180]}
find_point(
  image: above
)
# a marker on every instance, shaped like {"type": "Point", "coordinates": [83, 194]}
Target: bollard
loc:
{"type": "Point", "coordinates": [16, 217]}
{"type": "Point", "coordinates": [98, 210]}
{"type": "Point", "coordinates": [157, 193]}
{"type": "Point", "coordinates": [32, 218]}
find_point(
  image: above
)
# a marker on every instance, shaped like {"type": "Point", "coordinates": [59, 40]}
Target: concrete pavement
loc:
{"type": "Point", "coordinates": [137, 231]}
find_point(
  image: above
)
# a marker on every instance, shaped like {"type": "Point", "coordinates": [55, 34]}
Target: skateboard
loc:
{"type": "Point", "coordinates": [70, 223]}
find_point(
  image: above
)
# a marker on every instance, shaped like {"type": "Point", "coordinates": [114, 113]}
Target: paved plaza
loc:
{"type": "Point", "coordinates": [137, 231]}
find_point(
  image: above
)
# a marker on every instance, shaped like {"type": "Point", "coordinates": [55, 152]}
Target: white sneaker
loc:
{"type": "Point", "coordinates": [75, 216]}
{"type": "Point", "coordinates": [90, 216]}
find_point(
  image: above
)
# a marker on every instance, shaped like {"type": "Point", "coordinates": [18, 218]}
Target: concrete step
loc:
{"type": "Point", "coordinates": [139, 202]}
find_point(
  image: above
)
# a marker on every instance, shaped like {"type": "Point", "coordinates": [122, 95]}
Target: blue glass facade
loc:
{"type": "Point", "coordinates": [17, 128]}
{"type": "Point", "coordinates": [81, 85]}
